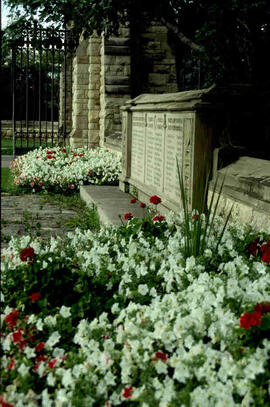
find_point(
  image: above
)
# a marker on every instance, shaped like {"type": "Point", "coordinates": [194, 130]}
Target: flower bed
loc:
{"type": "Point", "coordinates": [62, 169]}
{"type": "Point", "coordinates": [122, 317]}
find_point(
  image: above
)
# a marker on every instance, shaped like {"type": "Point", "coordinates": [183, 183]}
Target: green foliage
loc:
{"type": "Point", "coordinates": [199, 226]}
{"type": "Point", "coordinates": [230, 37]}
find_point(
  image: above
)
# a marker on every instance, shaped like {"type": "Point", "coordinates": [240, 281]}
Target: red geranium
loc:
{"type": "Point", "coordinates": [127, 392]}
{"type": "Point", "coordinates": [253, 247]}
{"type": "Point", "coordinates": [17, 335]}
{"type": "Point", "coordinates": [128, 216]}
{"type": "Point", "coordinates": [34, 297]}
{"type": "Point", "coordinates": [154, 199]}
{"type": "Point", "coordinates": [11, 364]}
{"type": "Point", "coordinates": [52, 363]}
{"type": "Point", "coordinates": [262, 307]}
{"type": "Point", "coordinates": [11, 319]}
{"type": "Point", "coordinates": [27, 254]}
{"type": "Point", "coordinates": [158, 218]}
{"type": "Point", "coordinates": [133, 200]}
{"type": "Point", "coordinates": [266, 255]}
{"type": "Point", "coordinates": [162, 356]}
{"type": "Point", "coordinates": [22, 345]}
{"type": "Point", "coordinates": [142, 205]}
{"type": "Point", "coordinates": [250, 319]}
{"type": "Point", "coordinates": [3, 403]}
{"type": "Point", "coordinates": [39, 346]}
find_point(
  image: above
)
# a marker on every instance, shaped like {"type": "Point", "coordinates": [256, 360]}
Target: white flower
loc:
{"type": "Point", "coordinates": [50, 321]}
{"type": "Point", "coordinates": [143, 289]}
{"type": "Point", "coordinates": [67, 379]}
{"type": "Point", "coordinates": [30, 353]}
{"type": "Point", "coordinates": [39, 324]}
{"type": "Point", "coordinates": [51, 379]}
{"type": "Point", "coordinates": [65, 311]}
{"type": "Point", "coordinates": [23, 370]}
{"type": "Point", "coordinates": [53, 339]}
{"type": "Point", "coordinates": [115, 308]}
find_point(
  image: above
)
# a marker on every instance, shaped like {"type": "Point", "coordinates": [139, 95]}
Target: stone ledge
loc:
{"type": "Point", "coordinates": [110, 203]}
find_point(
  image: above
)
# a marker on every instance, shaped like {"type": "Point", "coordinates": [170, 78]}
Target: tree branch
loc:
{"type": "Point", "coordinates": [185, 40]}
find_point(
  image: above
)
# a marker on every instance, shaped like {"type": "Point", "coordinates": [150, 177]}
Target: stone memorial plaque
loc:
{"type": "Point", "coordinates": [138, 146]}
{"type": "Point", "coordinates": [150, 145]}
{"type": "Point", "coordinates": [174, 141]}
{"type": "Point", "coordinates": [158, 176]}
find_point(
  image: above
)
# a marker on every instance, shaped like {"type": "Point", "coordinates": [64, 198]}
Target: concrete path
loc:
{"type": "Point", "coordinates": [28, 214]}
{"type": "Point", "coordinates": [110, 203]}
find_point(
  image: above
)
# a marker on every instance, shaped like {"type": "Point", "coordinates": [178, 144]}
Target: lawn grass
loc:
{"type": "Point", "coordinates": [21, 146]}
{"type": "Point", "coordinates": [7, 184]}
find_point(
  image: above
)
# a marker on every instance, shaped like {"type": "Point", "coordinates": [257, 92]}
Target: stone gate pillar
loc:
{"type": "Point", "coordinates": [79, 133]}
{"type": "Point", "coordinates": [94, 90]}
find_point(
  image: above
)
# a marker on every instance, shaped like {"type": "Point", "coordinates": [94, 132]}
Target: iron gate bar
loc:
{"type": "Point", "coordinates": [13, 67]}
{"type": "Point", "coordinates": [52, 91]}
{"type": "Point", "coordinates": [27, 84]}
{"type": "Point", "coordinates": [39, 86]}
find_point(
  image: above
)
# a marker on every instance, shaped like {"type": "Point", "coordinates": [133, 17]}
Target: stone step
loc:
{"type": "Point", "coordinates": [110, 203]}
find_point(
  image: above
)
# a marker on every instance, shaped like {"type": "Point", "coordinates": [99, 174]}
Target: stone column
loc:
{"type": "Point", "coordinates": [65, 96]}
{"type": "Point", "coordinates": [79, 133]}
{"type": "Point", "coordinates": [114, 86]}
{"type": "Point", "coordinates": [94, 90]}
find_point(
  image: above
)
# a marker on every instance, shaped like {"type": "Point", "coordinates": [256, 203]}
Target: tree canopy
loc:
{"type": "Point", "coordinates": [230, 37]}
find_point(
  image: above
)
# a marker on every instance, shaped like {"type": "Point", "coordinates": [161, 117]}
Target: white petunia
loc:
{"type": "Point", "coordinates": [65, 311]}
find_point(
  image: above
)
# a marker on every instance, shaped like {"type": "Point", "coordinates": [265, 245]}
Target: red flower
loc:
{"type": "Point", "coordinates": [34, 297]}
{"type": "Point", "coordinates": [133, 200]}
{"type": "Point", "coordinates": [128, 216]}
{"type": "Point", "coordinates": [265, 246]}
{"type": "Point", "coordinates": [11, 319]}
{"type": "Point", "coordinates": [250, 319]}
{"type": "Point", "coordinates": [127, 392]}
{"type": "Point", "coordinates": [70, 162]}
{"type": "Point", "coordinates": [17, 335]}
{"type": "Point", "coordinates": [27, 254]}
{"type": "Point", "coordinates": [81, 155]}
{"type": "Point", "coordinates": [196, 217]}
{"type": "Point", "coordinates": [22, 345]}
{"type": "Point", "coordinates": [64, 150]}
{"type": "Point", "coordinates": [142, 205]}
{"type": "Point", "coordinates": [158, 218]}
{"type": "Point", "coordinates": [75, 155]}
{"type": "Point", "coordinates": [39, 346]}
{"type": "Point", "coordinates": [52, 363]}
{"type": "Point", "coordinates": [154, 199]}
{"type": "Point", "coordinates": [253, 247]}
{"type": "Point", "coordinates": [3, 403]}
{"type": "Point", "coordinates": [266, 255]}
{"type": "Point", "coordinates": [41, 358]}
{"type": "Point", "coordinates": [11, 364]}
{"type": "Point", "coordinates": [262, 307]}
{"type": "Point", "coordinates": [162, 356]}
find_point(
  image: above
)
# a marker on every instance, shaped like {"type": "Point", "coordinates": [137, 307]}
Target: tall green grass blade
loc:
{"type": "Point", "coordinates": [224, 227]}
{"type": "Point", "coordinates": [187, 236]}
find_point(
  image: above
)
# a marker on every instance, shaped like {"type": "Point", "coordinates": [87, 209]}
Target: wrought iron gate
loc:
{"type": "Point", "coordinates": [41, 87]}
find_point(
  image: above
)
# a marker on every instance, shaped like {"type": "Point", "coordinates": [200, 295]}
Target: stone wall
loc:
{"type": "Point", "coordinates": [109, 71]}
